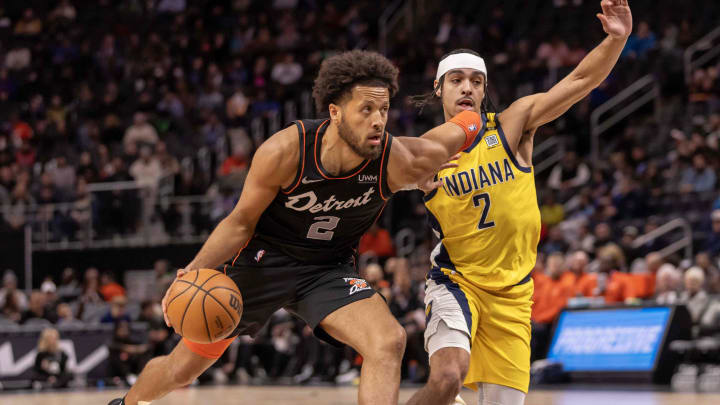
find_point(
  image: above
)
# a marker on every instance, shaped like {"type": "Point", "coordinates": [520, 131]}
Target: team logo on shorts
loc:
{"type": "Point", "coordinates": [492, 141]}
{"type": "Point", "coordinates": [259, 255]}
{"type": "Point", "coordinates": [356, 284]}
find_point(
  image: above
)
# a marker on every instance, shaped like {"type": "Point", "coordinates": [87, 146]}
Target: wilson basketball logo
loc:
{"type": "Point", "coordinates": [235, 303]}
{"type": "Point", "coordinates": [356, 284]}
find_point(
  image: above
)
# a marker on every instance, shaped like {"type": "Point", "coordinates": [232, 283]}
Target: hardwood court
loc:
{"type": "Point", "coordinates": [241, 395]}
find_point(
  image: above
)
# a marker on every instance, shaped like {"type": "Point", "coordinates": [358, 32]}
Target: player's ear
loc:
{"type": "Point", "coordinates": [335, 112]}
{"type": "Point", "coordinates": [438, 92]}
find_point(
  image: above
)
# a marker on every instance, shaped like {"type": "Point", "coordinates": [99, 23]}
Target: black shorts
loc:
{"type": "Point", "coordinates": [271, 280]}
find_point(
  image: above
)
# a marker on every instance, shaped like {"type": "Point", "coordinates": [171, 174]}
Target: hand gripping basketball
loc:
{"type": "Point", "coordinates": [180, 273]}
{"type": "Point", "coordinates": [203, 306]}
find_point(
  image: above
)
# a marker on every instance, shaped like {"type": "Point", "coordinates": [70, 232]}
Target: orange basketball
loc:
{"type": "Point", "coordinates": [204, 306]}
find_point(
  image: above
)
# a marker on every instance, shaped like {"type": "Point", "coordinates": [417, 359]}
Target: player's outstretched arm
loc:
{"type": "Point", "coordinates": [541, 108]}
{"type": "Point", "coordinates": [413, 160]}
{"type": "Point", "coordinates": [272, 167]}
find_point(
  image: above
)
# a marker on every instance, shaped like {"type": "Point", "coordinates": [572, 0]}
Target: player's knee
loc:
{"type": "Point", "coordinates": [390, 344]}
{"type": "Point", "coordinates": [396, 342]}
{"type": "Point", "coordinates": [447, 380]}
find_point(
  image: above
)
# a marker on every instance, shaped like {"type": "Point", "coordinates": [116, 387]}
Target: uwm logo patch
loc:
{"type": "Point", "coordinates": [356, 284]}
{"type": "Point", "coordinates": [366, 178]}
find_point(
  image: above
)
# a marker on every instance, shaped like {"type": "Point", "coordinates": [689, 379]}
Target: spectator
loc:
{"type": "Point", "coordinates": [377, 241]}
{"type": "Point", "coordinates": [126, 355]}
{"type": "Point", "coordinates": [554, 53]}
{"type": "Point", "coordinates": [160, 342]}
{"type": "Point", "coordinates": [700, 177]}
{"type": "Point", "coordinates": [150, 311]}
{"type": "Point", "coordinates": [51, 362]}
{"type": "Point", "coordinates": [555, 241]}
{"type": "Point", "coordinates": [109, 288]}
{"type": "Point", "coordinates": [63, 177]}
{"type": "Point", "coordinates": [236, 165]}
{"type": "Point", "coordinates": [64, 10]}
{"type": "Point", "coordinates": [170, 167]}
{"type": "Point", "coordinates": [66, 316]}
{"type": "Point", "coordinates": [91, 287]}
{"type": "Point", "coordinates": [445, 30]}
{"type": "Point", "coordinates": [551, 211]}
{"type": "Point", "coordinates": [577, 277]}
{"type": "Point", "coordinates": [69, 288]}
{"type": "Point", "coordinates": [237, 105]}
{"type": "Point", "coordinates": [569, 175]}
{"type": "Point", "coordinates": [644, 283]}
{"type": "Point", "coordinates": [627, 243]}
{"type": "Point", "coordinates": [609, 281]}
{"type": "Point", "coordinates": [29, 25]}
{"type": "Point", "coordinates": [163, 278]}
{"type": "Point", "coordinates": [288, 71]}
{"type": "Point", "coordinates": [140, 132]}
{"type": "Point", "coordinates": [640, 43]}
{"type": "Point", "coordinates": [373, 274]}
{"type": "Point", "coordinates": [37, 311]}
{"type": "Point", "coordinates": [146, 170]}
{"type": "Point", "coordinates": [694, 297]}
{"type": "Point", "coordinates": [117, 312]}
{"type": "Point", "coordinates": [667, 285]}
{"type": "Point", "coordinates": [549, 300]}
{"type": "Point", "coordinates": [9, 292]}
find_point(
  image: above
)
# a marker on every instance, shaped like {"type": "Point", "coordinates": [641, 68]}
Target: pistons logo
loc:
{"type": "Point", "coordinates": [356, 284]}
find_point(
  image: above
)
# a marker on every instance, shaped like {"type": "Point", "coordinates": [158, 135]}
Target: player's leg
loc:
{"type": "Point", "coordinates": [452, 318]}
{"type": "Point", "coordinates": [494, 394]}
{"type": "Point", "coordinates": [167, 373]}
{"type": "Point", "coordinates": [501, 348]}
{"type": "Point", "coordinates": [264, 290]}
{"type": "Point", "coordinates": [449, 351]}
{"type": "Point", "coordinates": [368, 327]}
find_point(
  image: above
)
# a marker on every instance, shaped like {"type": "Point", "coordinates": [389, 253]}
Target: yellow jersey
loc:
{"type": "Point", "coordinates": [485, 214]}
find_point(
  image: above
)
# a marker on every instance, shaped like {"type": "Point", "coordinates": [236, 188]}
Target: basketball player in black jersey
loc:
{"type": "Point", "coordinates": [313, 190]}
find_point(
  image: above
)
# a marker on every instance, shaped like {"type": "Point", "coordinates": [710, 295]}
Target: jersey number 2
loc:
{"type": "Point", "coordinates": [484, 197]}
{"type": "Point", "coordinates": [323, 229]}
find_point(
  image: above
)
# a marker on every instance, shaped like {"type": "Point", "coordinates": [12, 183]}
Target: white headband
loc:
{"type": "Point", "coordinates": [461, 61]}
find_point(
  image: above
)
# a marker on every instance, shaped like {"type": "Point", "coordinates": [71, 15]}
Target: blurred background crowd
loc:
{"type": "Point", "coordinates": [140, 117]}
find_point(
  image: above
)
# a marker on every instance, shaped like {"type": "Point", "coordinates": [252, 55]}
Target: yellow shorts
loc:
{"type": "Point", "coordinates": [497, 322]}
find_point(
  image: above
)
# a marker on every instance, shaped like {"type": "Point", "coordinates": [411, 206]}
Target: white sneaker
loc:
{"type": "Point", "coordinates": [459, 401]}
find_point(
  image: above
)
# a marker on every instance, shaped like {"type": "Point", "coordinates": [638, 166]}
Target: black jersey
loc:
{"type": "Point", "coordinates": [320, 218]}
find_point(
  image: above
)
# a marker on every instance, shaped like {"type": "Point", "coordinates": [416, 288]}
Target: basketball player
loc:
{"type": "Point", "coordinates": [312, 191]}
{"type": "Point", "coordinates": [478, 292]}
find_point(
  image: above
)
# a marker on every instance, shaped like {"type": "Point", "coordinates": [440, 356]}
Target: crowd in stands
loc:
{"type": "Point", "coordinates": [172, 91]}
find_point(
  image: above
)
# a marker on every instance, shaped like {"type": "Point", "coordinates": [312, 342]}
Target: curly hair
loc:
{"type": "Point", "coordinates": [339, 73]}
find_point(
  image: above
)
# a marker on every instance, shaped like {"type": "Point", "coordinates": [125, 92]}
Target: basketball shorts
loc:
{"type": "Point", "coordinates": [496, 322]}
{"type": "Point", "coordinates": [269, 281]}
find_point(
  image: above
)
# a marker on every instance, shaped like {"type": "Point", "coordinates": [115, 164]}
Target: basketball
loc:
{"type": "Point", "coordinates": [204, 306]}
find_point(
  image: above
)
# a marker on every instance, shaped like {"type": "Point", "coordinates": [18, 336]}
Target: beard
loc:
{"type": "Point", "coordinates": [355, 142]}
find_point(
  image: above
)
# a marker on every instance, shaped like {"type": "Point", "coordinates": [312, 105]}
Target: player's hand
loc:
{"type": "Point", "coordinates": [616, 18]}
{"type": "Point", "coordinates": [180, 273]}
{"type": "Point", "coordinates": [429, 184]}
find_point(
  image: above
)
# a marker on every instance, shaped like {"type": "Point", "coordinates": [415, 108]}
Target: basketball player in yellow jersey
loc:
{"type": "Point", "coordinates": [485, 213]}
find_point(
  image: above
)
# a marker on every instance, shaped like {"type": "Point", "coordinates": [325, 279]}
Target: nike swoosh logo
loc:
{"type": "Point", "coordinates": [305, 180]}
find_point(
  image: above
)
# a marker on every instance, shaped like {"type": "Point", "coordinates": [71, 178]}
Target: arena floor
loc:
{"type": "Point", "coordinates": [239, 395]}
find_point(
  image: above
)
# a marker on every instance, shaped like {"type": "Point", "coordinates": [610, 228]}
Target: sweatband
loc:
{"type": "Point", "coordinates": [461, 61]}
{"type": "Point", "coordinates": [209, 350]}
{"type": "Point", "coordinates": [471, 123]}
